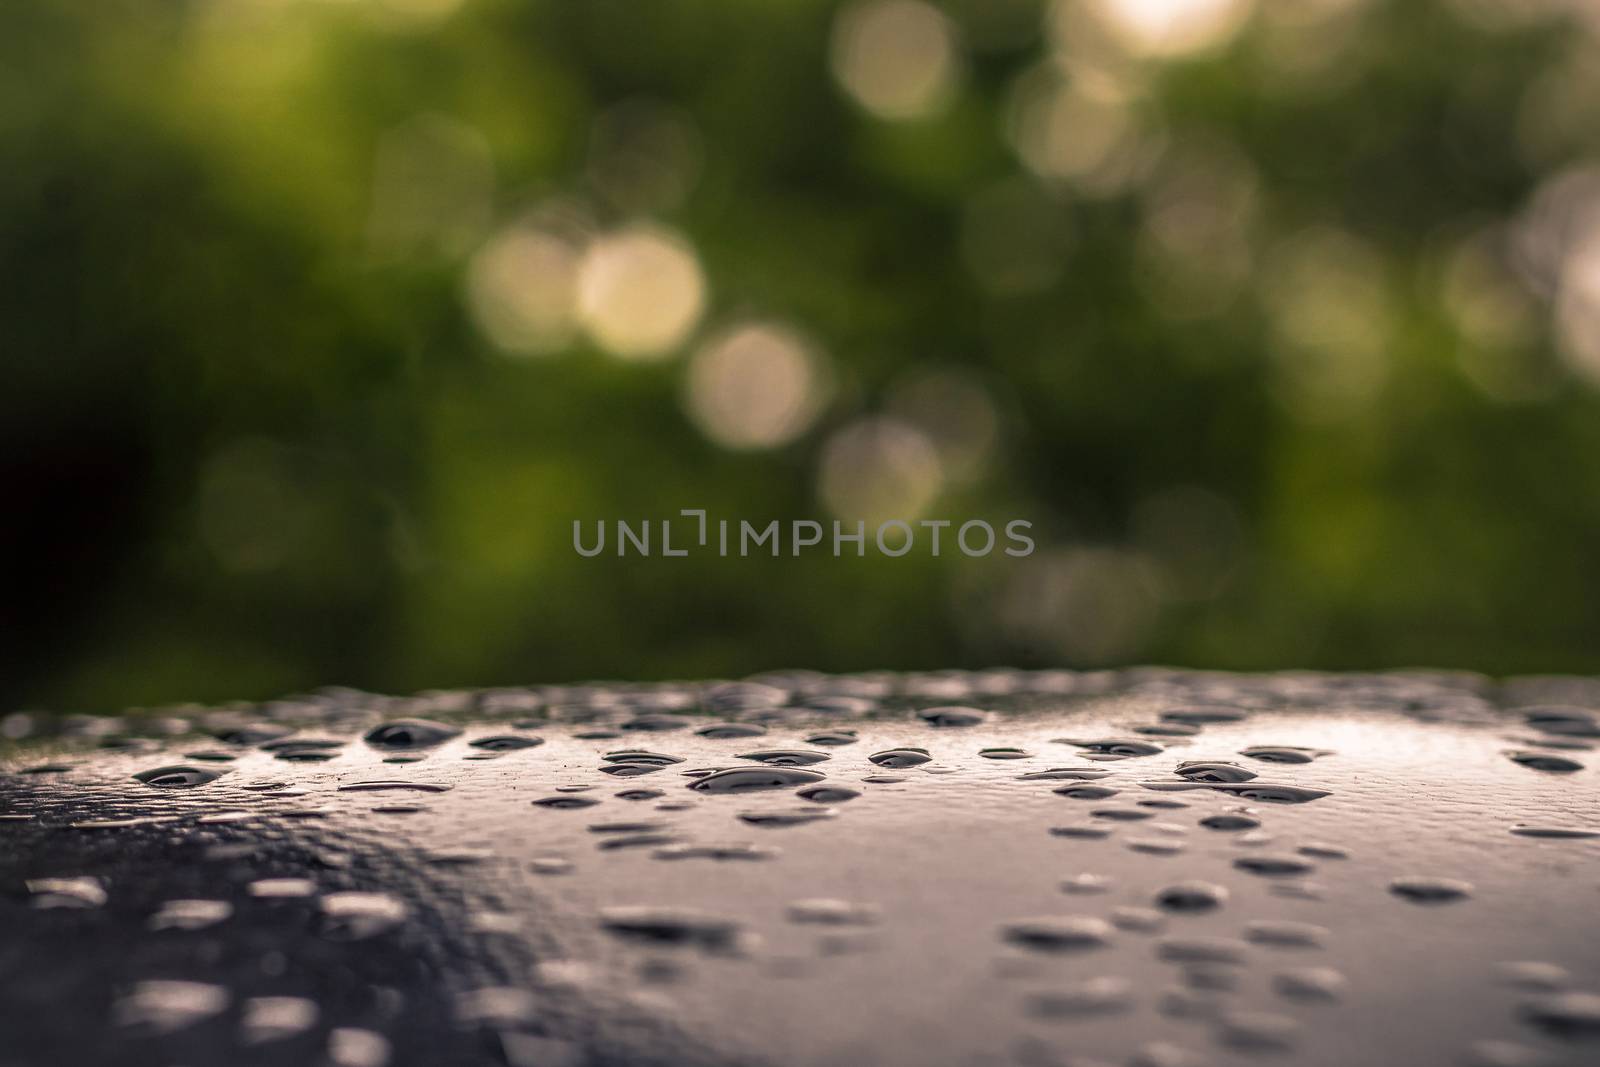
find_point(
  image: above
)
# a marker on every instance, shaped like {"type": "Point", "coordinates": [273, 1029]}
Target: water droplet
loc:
{"type": "Point", "coordinates": [178, 777]}
{"type": "Point", "coordinates": [282, 888]}
{"type": "Point", "coordinates": [785, 757]}
{"type": "Point", "coordinates": [1555, 832]}
{"type": "Point", "coordinates": [190, 914]}
{"type": "Point", "coordinates": [1192, 897]}
{"type": "Point", "coordinates": [749, 779]}
{"type": "Point", "coordinates": [568, 801]}
{"type": "Point", "coordinates": [1091, 832]}
{"type": "Point", "coordinates": [1084, 884]}
{"type": "Point", "coordinates": [1213, 771]}
{"type": "Point", "coordinates": [1163, 1054]}
{"type": "Point", "coordinates": [1138, 920]}
{"type": "Point", "coordinates": [1069, 933]}
{"type": "Point", "coordinates": [670, 926]}
{"type": "Point", "coordinates": [901, 757]}
{"type": "Point", "coordinates": [1310, 983]}
{"type": "Point", "coordinates": [1285, 933]}
{"type": "Point", "coordinates": [1544, 761]}
{"type": "Point", "coordinates": [550, 865]}
{"type": "Point", "coordinates": [1121, 814]}
{"type": "Point", "coordinates": [1205, 714]}
{"type": "Point", "coordinates": [82, 892]}
{"type": "Point", "coordinates": [1535, 975]}
{"type": "Point", "coordinates": [639, 840]}
{"type": "Point", "coordinates": [410, 733]}
{"type": "Point", "coordinates": [1087, 792]}
{"type": "Point", "coordinates": [1005, 753]}
{"type": "Point", "coordinates": [166, 1006]}
{"type": "Point", "coordinates": [355, 916]}
{"type": "Point", "coordinates": [1274, 865]}
{"type": "Point", "coordinates": [1563, 720]}
{"type": "Point", "coordinates": [506, 742]}
{"type": "Point", "coordinates": [1282, 753]}
{"type": "Point", "coordinates": [393, 786]}
{"type": "Point", "coordinates": [352, 1047]}
{"type": "Point", "coordinates": [740, 851]}
{"type": "Point", "coordinates": [638, 794]}
{"type": "Point", "coordinates": [1423, 890]}
{"type": "Point", "coordinates": [828, 794]}
{"type": "Point", "coordinates": [1092, 996]}
{"type": "Point", "coordinates": [1077, 774]}
{"type": "Point", "coordinates": [832, 737]}
{"type": "Point", "coordinates": [781, 817]}
{"type": "Point", "coordinates": [275, 1018]}
{"type": "Point", "coordinates": [630, 770]}
{"type": "Point", "coordinates": [1202, 950]}
{"type": "Point", "coordinates": [827, 911]}
{"type": "Point", "coordinates": [641, 756]}
{"type": "Point", "coordinates": [1324, 851]}
{"type": "Point", "coordinates": [1257, 1030]}
{"type": "Point", "coordinates": [1124, 747]}
{"type": "Point", "coordinates": [1566, 1015]}
{"type": "Point", "coordinates": [952, 715]}
{"type": "Point", "coordinates": [722, 731]}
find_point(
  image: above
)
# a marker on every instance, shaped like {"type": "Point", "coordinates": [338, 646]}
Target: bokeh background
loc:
{"type": "Point", "coordinates": [323, 319]}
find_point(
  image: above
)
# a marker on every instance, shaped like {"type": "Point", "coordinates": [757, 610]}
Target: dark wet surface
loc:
{"type": "Point", "coordinates": [1148, 867]}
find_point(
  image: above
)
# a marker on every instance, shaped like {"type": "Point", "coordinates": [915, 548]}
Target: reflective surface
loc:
{"type": "Point", "coordinates": [1145, 867]}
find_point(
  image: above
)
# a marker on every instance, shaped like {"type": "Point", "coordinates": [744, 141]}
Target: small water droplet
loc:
{"type": "Point", "coordinates": [1544, 761]}
{"type": "Point", "coordinates": [670, 926]}
{"type": "Point", "coordinates": [1424, 890]}
{"type": "Point", "coordinates": [750, 779]}
{"type": "Point", "coordinates": [901, 757]}
{"type": "Point", "coordinates": [1535, 975]}
{"type": "Point", "coordinates": [178, 777]}
{"type": "Point", "coordinates": [1192, 897]}
{"type": "Point", "coordinates": [1069, 933]}
{"type": "Point", "coordinates": [190, 914]}
{"type": "Point", "coordinates": [722, 731]}
{"type": "Point", "coordinates": [781, 817]}
{"type": "Point", "coordinates": [1257, 1030]}
{"type": "Point", "coordinates": [410, 733]}
{"type": "Point", "coordinates": [1213, 771]}
{"type": "Point", "coordinates": [282, 888]}
{"type": "Point", "coordinates": [1086, 791]}
{"type": "Point", "coordinates": [828, 794]}
{"type": "Point", "coordinates": [276, 1018]}
{"type": "Point", "coordinates": [952, 715]}
{"type": "Point", "coordinates": [1202, 950]}
{"type": "Point", "coordinates": [1078, 774]}
{"type": "Point", "coordinates": [567, 801]}
{"type": "Point", "coordinates": [785, 757]}
{"type": "Point", "coordinates": [1084, 884]}
{"type": "Point", "coordinates": [506, 742]}
{"type": "Point", "coordinates": [832, 737]}
{"type": "Point", "coordinates": [1089, 997]}
{"type": "Point", "coordinates": [167, 1006]}
{"type": "Point", "coordinates": [84, 892]}
{"type": "Point", "coordinates": [393, 786]}
{"type": "Point", "coordinates": [828, 911]}
{"type": "Point", "coordinates": [1310, 983]}
{"type": "Point", "coordinates": [1565, 1015]}
{"type": "Point", "coordinates": [1285, 933]}
{"type": "Point", "coordinates": [355, 916]}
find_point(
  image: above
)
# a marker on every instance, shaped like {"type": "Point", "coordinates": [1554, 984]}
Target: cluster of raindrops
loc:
{"type": "Point", "coordinates": [1167, 821]}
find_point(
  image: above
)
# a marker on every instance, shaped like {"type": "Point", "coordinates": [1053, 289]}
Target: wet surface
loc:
{"type": "Point", "coordinates": [1145, 867]}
